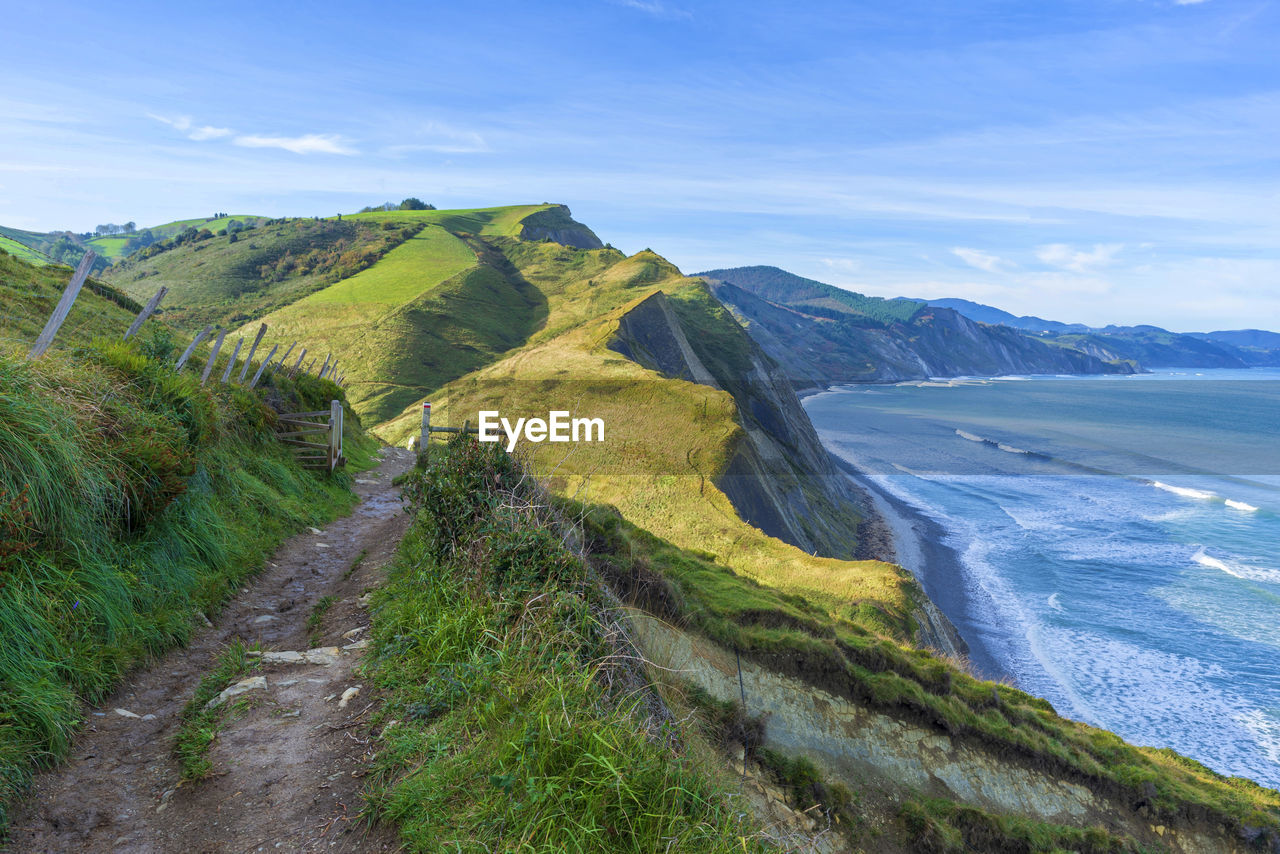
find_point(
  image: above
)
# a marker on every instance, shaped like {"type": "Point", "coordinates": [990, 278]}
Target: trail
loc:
{"type": "Point", "coordinates": [287, 774]}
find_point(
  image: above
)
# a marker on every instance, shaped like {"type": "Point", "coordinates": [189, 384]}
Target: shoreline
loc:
{"type": "Point", "coordinates": [917, 544]}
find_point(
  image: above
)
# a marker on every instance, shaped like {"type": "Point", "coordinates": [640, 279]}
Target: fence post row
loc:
{"type": "Point", "coordinates": [64, 306]}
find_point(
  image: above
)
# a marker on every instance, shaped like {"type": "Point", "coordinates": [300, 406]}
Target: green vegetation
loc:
{"type": "Point", "coordinates": [435, 308]}
{"type": "Point", "coordinates": [316, 618]}
{"type": "Point", "coordinates": [132, 500]}
{"type": "Point", "coordinates": [815, 298]}
{"type": "Point", "coordinates": [20, 250]}
{"type": "Point", "coordinates": [241, 275]}
{"type": "Point", "coordinates": [200, 722]}
{"type": "Point", "coordinates": [938, 826]}
{"type": "Point", "coordinates": [29, 294]}
{"type": "Point", "coordinates": [514, 729]}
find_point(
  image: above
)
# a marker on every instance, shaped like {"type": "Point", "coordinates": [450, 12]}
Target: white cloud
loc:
{"type": "Point", "coordinates": [185, 125]}
{"type": "Point", "coordinates": [1078, 260]}
{"type": "Point", "coordinates": [311, 143]}
{"type": "Point", "coordinates": [443, 139]}
{"type": "Point", "coordinates": [1187, 2]}
{"type": "Point", "coordinates": [844, 265]}
{"type": "Point", "coordinates": [656, 8]}
{"type": "Point", "coordinates": [981, 260]}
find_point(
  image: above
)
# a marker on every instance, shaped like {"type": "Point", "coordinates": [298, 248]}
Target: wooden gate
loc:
{"type": "Point", "coordinates": [317, 443]}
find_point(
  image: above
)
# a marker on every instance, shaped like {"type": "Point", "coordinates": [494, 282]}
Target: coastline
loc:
{"type": "Point", "coordinates": [903, 535]}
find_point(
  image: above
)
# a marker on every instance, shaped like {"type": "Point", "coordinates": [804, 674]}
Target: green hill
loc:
{"type": "Point", "coordinates": [710, 507]}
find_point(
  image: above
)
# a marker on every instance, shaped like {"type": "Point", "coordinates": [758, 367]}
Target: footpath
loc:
{"type": "Point", "coordinates": [286, 772]}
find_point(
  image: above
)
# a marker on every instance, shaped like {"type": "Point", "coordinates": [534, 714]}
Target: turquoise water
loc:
{"type": "Point", "coordinates": [1119, 539]}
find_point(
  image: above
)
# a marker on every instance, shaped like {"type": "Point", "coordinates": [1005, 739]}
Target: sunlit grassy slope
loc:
{"type": "Point", "coordinates": [666, 439]}
{"type": "Point", "coordinates": [229, 279]}
{"type": "Point", "coordinates": [444, 303]}
{"type": "Point", "coordinates": [21, 250]}
{"type": "Point", "coordinates": [29, 294]}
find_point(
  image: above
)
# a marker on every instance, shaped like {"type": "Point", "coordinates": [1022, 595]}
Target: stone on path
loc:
{"type": "Point", "coordinates": [244, 686]}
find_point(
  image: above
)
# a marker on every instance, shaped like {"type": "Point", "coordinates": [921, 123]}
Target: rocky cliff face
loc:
{"type": "Point", "coordinates": [865, 748]}
{"type": "Point", "coordinates": [558, 225]}
{"type": "Point", "coordinates": [820, 341]}
{"type": "Point", "coordinates": [780, 478]}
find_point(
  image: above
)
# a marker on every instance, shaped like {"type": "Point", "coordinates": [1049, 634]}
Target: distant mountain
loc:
{"type": "Point", "coordinates": [990, 314]}
{"type": "Point", "coordinates": [823, 335]}
{"type": "Point", "coordinates": [1258, 339]}
{"type": "Point", "coordinates": [1147, 345]}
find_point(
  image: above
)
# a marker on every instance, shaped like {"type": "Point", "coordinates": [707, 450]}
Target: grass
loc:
{"type": "Point", "coordinates": [29, 294]}
{"type": "Point", "coordinates": [419, 264]}
{"type": "Point", "coordinates": [315, 619]}
{"type": "Point", "coordinates": [937, 826]}
{"type": "Point", "coordinates": [132, 500]}
{"type": "Point", "coordinates": [355, 564]}
{"type": "Point", "coordinates": [200, 723]}
{"type": "Point", "coordinates": [400, 330]}
{"type": "Point", "coordinates": [513, 731]}
{"type": "Point", "coordinates": [233, 278]}
{"type": "Point", "coordinates": [21, 250]}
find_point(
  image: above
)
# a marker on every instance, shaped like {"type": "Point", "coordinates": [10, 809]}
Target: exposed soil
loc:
{"type": "Point", "coordinates": [287, 773]}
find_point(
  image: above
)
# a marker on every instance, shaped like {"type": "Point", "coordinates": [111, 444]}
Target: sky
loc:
{"type": "Point", "coordinates": [1096, 161]}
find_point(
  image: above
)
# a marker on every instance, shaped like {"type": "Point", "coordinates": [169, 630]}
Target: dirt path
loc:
{"type": "Point", "coordinates": [287, 773]}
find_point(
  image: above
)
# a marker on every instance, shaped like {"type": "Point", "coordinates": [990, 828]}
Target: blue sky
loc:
{"type": "Point", "coordinates": [1097, 161]}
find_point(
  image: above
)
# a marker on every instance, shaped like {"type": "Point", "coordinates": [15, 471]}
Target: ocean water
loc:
{"type": "Point", "coordinates": [1119, 539]}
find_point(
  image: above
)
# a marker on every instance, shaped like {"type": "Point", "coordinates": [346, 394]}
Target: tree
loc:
{"type": "Point", "coordinates": [130, 227]}
{"type": "Point", "coordinates": [415, 204]}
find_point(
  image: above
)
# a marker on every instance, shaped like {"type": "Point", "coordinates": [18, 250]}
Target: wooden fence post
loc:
{"type": "Point", "coordinates": [231, 363]}
{"type": "Point", "coordinates": [325, 367]}
{"type": "Point", "coordinates": [301, 356]}
{"type": "Point", "coordinates": [217, 345]}
{"type": "Point", "coordinates": [191, 348]}
{"type": "Point", "coordinates": [335, 434]}
{"type": "Point", "coordinates": [63, 308]}
{"type": "Point", "coordinates": [262, 330]}
{"type": "Point", "coordinates": [263, 366]}
{"type": "Point", "coordinates": [282, 358]}
{"type": "Point", "coordinates": [423, 443]}
{"type": "Point", "coordinates": [145, 313]}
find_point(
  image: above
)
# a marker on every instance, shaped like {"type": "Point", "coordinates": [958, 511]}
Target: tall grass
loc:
{"type": "Point", "coordinates": [511, 734]}
{"type": "Point", "coordinates": [131, 499]}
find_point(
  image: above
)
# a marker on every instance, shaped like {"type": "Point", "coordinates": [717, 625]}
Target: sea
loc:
{"type": "Point", "coordinates": [1118, 539]}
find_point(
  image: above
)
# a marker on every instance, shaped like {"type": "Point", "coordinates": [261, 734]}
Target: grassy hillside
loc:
{"type": "Point", "coordinates": [29, 294]}
{"type": "Point", "coordinates": [465, 313]}
{"type": "Point", "coordinates": [21, 250]}
{"type": "Point", "coordinates": [235, 277]}
{"type": "Point", "coordinates": [132, 500]}
{"type": "Point", "coordinates": [798, 292]}
{"type": "Point", "coordinates": [520, 718]}
{"type": "Point", "coordinates": [444, 303]}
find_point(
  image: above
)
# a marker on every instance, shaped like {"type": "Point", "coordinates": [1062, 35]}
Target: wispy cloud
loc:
{"type": "Point", "coordinates": [191, 130]}
{"type": "Point", "coordinates": [443, 139]}
{"type": "Point", "coordinates": [1188, 2]}
{"type": "Point", "coordinates": [981, 260]}
{"type": "Point", "coordinates": [1079, 260]}
{"type": "Point", "coordinates": [311, 143]}
{"type": "Point", "coordinates": [656, 8]}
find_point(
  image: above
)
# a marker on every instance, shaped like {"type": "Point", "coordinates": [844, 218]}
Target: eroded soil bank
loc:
{"type": "Point", "coordinates": [287, 773]}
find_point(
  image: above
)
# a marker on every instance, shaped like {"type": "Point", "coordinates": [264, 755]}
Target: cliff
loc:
{"type": "Point", "coordinates": [822, 335]}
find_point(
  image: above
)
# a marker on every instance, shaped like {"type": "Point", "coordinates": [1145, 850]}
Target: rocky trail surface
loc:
{"type": "Point", "coordinates": [287, 773]}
